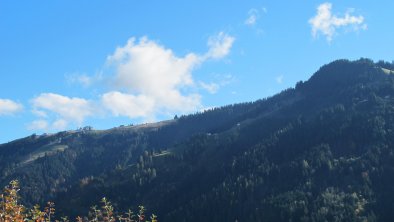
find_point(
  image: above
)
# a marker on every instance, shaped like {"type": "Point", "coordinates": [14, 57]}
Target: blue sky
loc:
{"type": "Point", "coordinates": [67, 64]}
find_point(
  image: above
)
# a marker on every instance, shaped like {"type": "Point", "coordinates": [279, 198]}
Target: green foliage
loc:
{"type": "Point", "coordinates": [12, 211]}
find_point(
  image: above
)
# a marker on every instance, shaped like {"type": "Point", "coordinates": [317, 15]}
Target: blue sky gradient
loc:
{"type": "Point", "coordinates": [59, 67]}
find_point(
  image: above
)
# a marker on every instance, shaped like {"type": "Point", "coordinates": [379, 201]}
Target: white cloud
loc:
{"type": "Point", "coordinates": [121, 104]}
{"type": "Point", "coordinates": [210, 87]}
{"type": "Point", "coordinates": [253, 14]}
{"type": "Point", "coordinates": [149, 68]}
{"type": "Point", "coordinates": [150, 79]}
{"type": "Point", "coordinates": [225, 79]}
{"type": "Point", "coordinates": [83, 79]}
{"type": "Point", "coordinates": [279, 79]}
{"type": "Point", "coordinates": [148, 106]}
{"type": "Point", "coordinates": [220, 81]}
{"type": "Point", "coordinates": [65, 109]}
{"type": "Point", "coordinates": [9, 107]}
{"type": "Point", "coordinates": [39, 113]}
{"type": "Point", "coordinates": [59, 124]}
{"type": "Point", "coordinates": [219, 46]}
{"type": "Point", "coordinates": [38, 125]}
{"type": "Point", "coordinates": [327, 24]}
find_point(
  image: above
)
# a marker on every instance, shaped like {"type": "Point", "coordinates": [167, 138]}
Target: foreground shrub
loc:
{"type": "Point", "coordinates": [11, 210]}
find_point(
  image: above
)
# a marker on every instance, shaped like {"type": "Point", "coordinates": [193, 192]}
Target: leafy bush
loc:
{"type": "Point", "coordinates": [11, 210]}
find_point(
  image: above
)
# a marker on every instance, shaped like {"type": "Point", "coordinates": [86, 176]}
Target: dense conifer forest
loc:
{"type": "Point", "coordinates": [321, 151]}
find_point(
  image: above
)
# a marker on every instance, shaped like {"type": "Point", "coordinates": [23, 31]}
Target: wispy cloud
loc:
{"type": "Point", "coordinates": [219, 82]}
{"type": "Point", "coordinates": [38, 125]}
{"type": "Point", "coordinates": [9, 107]}
{"type": "Point", "coordinates": [254, 15]}
{"type": "Point", "coordinates": [279, 79]}
{"type": "Point", "coordinates": [210, 87]}
{"type": "Point", "coordinates": [219, 46]}
{"type": "Point", "coordinates": [82, 79]}
{"type": "Point", "coordinates": [326, 23]}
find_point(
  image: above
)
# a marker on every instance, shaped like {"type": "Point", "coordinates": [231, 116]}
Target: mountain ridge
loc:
{"type": "Point", "coordinates": [296, 155]}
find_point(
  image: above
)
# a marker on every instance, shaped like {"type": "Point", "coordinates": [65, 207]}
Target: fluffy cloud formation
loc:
{"type": "Point", "coordinates": [9, 107]}
{"type": "Point", "coordinates": [326, 23]}
{"type": "Point", "coordinates": [149, 68]}
{"type": "Point", "coordinates": [150, 79]}
{"type": "Point", "coordinates": [67, 110]}
{"type": "Point", "coordinates": [147, 80]}
{"type": "Point", "coordinates": [121, 104]}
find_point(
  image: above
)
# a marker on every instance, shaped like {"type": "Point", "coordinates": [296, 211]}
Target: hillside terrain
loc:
{"type": "Point", "coordinates": [321, 151]}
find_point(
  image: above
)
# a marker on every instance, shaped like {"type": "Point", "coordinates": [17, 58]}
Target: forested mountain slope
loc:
{"type": "Point", "coordinates": [321, 151]}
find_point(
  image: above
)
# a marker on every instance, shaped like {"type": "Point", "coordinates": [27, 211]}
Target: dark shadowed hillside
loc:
{"type": "Point", "coordinates": [322, 151]}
